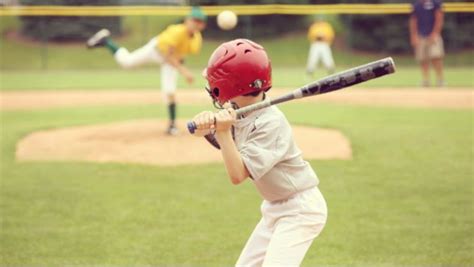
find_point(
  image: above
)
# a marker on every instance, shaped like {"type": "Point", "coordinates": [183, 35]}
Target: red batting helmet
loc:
{"type": "Point", "coordinates": [236, 68]}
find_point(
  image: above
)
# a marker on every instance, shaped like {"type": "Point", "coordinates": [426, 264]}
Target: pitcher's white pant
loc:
{"type": "Point", "coordinates": [319, 51]}
{"type": "Point", "coordinates": [286, 231]}
{"type": "Point", "coordinates": [149, 54]}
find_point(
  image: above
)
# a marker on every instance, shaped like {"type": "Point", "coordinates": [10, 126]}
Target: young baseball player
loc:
{"type": "Point", "coordinates": [321, 36]}
{"type": "Point", "coordinates": [260, 146]}
{"type": "Point", "coordinates": [168, 49]}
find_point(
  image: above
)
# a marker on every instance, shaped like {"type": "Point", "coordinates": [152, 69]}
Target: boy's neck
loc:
{"type": "Point", "coordinates": [250, 100]}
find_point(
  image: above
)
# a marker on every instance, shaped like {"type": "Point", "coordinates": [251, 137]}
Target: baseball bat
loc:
{"type": "Point", "coordinates": [328, 84]}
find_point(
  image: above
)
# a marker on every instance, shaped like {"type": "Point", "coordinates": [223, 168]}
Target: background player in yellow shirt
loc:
{"type": "Point", "coordinates": [168, 49]}
{"type": "Point", "coordinates": [321, 36]}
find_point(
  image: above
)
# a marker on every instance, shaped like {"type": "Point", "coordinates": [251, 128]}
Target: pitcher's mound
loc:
{"type": "Point", "coordinates": [145, 142]}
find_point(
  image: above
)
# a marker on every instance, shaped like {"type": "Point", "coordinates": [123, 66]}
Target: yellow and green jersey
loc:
{"type": "Point", "coordinates": [178, 37]}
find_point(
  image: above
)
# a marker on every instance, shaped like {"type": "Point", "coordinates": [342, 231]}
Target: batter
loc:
{"type": "Point", "coordinates": [293, 211]}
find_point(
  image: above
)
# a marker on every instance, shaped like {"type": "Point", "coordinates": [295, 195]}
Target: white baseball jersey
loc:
{"type": "Point", "coordinates": [265, 142]}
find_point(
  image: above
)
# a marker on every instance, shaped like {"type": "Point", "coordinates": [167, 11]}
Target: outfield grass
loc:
{"type": "Point", "coordinates": [405, 198]}
{"type": "Point", "coordinates": [150, 78]}
{"type": "Point", "coordinates": [74, 67]}
{"type": "Point", "coordinates": [285, 51]}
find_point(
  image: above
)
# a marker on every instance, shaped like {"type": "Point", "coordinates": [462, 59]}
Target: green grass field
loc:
{"type": "Point", "coordinates": [285, 51]}
{"type": "Point", "coordinates": [74, 67]}
{"type": "Point", "coordinates": [406, 77]}
{"type": "Point", "coordinates": [405, 198]}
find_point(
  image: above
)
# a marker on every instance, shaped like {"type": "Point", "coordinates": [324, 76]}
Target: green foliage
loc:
{"type": "Point", "coordinates": [65, 28]}
{"type": "Point", "coordinates": [259, 26]}
{"type": "Point", "coordinates": [458, 31]}
{"type": "Point", "coordinates": [377, 32]}
{"type": "Point", "coordinates": [390, 33]}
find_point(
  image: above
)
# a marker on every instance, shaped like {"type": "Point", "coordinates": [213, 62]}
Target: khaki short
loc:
{"type": "Point", "coordinates": [429, 50]}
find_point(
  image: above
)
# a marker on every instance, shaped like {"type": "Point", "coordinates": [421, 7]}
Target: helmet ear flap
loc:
{"type": "Point", "coordinates": [215, 101]}
{"type": "Point", "coordinates": [215, 92]}
{"type": "Point", "coordinates": [210, 93]}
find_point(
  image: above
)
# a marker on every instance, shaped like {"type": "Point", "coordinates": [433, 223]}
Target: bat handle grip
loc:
{"type": "Point", "coordinates": [192, 127]}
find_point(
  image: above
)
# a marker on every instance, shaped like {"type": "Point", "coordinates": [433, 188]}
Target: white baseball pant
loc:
{"type": "Point", "coordinates": [149, 54]}
{"type": "Point", "coordinates": [319, 51]}
{"type": "Point", "coordinates": [286, 231]}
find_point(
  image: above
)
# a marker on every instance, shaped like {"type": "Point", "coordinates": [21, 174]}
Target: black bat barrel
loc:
{"type": "Point", "coordinates": [350, 77]}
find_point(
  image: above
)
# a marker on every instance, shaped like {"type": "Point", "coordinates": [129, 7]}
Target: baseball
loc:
{"type": "Point", "coordinates": [227, 20]}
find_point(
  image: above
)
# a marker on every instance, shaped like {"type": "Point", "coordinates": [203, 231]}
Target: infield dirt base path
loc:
{"type": "Point", "coordinates": [145, 142]}
{"type": "Point", "coordinates": [415, 97]}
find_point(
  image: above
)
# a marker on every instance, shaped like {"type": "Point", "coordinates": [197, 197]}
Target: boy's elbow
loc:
{"type": "Point", "coordinates": [238, 175]}
{"type": "Point", "coordinates": [237, 179]}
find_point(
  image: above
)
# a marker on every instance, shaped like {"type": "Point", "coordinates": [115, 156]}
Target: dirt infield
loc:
{"type": "Point", "coordinates": [144, 141]}
{"type": "Point", "coordinates": [432, 98]}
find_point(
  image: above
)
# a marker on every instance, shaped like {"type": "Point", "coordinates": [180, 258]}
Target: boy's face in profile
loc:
{"type": "Point", "coordinates": [243, 101]}
{"type": "Point", "coordinates": [195, 25]}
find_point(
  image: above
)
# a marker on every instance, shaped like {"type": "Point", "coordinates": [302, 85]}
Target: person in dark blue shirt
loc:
{"type": "Point", "coordinates": [426, 23]}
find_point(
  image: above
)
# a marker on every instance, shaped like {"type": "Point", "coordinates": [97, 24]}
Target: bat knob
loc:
{"type": "Point", "coordinates": [191, 127]}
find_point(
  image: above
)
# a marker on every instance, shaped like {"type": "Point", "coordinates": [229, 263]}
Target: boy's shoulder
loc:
{"type": "Point", "coordinates": [175, 29]}
{"type": "Point", "coordinates": [270, 117]}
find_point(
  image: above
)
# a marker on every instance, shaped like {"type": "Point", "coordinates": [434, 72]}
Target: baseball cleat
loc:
{"type": "Point", "coordinates": [425, 84]}
{"type": "Point", "coordinates": [98, 39]}
{"type": "Point", "coordinates": [440, 83]}
{"type": "Point", "coordinates": [172, 130]}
